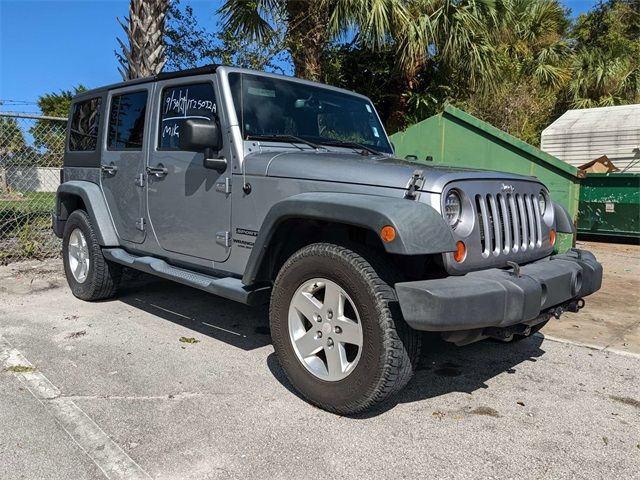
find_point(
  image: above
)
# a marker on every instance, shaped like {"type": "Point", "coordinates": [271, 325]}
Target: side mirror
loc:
{"type": "Point", "coordinates": [199, 135]}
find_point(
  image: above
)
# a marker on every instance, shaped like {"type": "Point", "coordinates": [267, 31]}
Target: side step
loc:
{"type": "Point", "coordinates": [227, 287]}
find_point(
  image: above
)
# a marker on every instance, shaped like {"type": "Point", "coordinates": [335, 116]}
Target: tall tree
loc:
{"type": "Point", "coordinates": [606, 69]}
{"type": "Point", "coordinates": [306, 34]}
{"type": "Point", "coordinates": [433, 47]}
{"type": "Point", "coordinates": [49, 135]}
{"type": "Point", "coordinates": [534, 65]}
{"type": "Point", "coordinates": [191, 45]}
{"type": "Point", "coordinates": [143, 54]}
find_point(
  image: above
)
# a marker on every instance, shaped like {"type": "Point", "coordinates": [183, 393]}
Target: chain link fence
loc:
{"type": "Point", "coordinates": [31, 152]}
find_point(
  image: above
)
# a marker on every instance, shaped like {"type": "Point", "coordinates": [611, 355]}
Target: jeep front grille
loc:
{"type": "Point", "coordinates": [508, 223]}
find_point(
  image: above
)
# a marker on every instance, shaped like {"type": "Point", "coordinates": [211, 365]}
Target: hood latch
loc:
{"type": "Point", "coordinates": [414, 185]}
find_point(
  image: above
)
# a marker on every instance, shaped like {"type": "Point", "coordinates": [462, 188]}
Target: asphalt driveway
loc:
{"type": "Point", "coordinates": [168, 382]}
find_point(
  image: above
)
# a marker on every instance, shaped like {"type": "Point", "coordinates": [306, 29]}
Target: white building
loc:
{"type": "Point", "coordinates": [580, 136]}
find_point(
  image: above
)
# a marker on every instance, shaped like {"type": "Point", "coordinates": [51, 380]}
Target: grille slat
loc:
{"type": "Point", "coordinates": [508, 223]}
{"type": "Point", "coordinates": [524, 225]}
{"type": "Point", "coordinates": [538, 215]}
{"type": "Point", "coordinates": [515, 223]}
{"type": "Point", "coordinates": [495, 219]}
{"type": "Point", "coordinates": [531, 220]}
{"type": "Point", "coordinates": [485, 237]}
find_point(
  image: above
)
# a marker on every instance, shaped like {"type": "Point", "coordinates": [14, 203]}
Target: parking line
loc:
{"type": "Point", "coordinates": [110, 458]}
{"type": "Point", "coordinates": [591, 346]}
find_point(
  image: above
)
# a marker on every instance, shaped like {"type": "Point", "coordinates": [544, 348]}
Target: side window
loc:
{"type": "Point", "coordinates": [180, 104]}
{"type": "Point", "coordinates": [85, 122]}
{"type": "Point", "coordinates": [126, 121]}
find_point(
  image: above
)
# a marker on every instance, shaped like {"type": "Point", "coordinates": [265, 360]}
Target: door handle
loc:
{"type": "Point", "coordinates": [159, 170]}
{"type": "Point", "coordinates": [109, 169]}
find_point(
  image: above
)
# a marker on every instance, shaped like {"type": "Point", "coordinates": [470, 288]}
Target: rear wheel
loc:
{"type": "Point", "coordinates": [89, 275]}
{"type": "Point", "coordinates": [337, 329]}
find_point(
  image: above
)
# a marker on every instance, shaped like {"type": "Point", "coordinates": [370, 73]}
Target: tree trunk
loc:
{"type": "Point", "coordinates": [144, 56]}
{"type": "Point", "coordinates": [307, 36]}
{"type": "Point", "coordinates": [398, 105]}
{"type": "Point", "coordinates": [4, 187]}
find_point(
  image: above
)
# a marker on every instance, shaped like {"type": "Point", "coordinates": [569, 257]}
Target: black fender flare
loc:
{"type": "Point", "coordinates": [96, 208]}
{"type": "Point", "coordinates": [563, 219]}
{"type": "Point", "coordinates": [420, 229]}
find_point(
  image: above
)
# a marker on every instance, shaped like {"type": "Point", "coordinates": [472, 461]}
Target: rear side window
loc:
{"type": "Point", "coordinates": [182, 103]}
{"type": "Point", "coordinates": [85, 123]}
{"type": "Point", "coordinates": [126, 121]}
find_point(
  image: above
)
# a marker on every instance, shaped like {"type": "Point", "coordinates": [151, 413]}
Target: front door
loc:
{"type": "Point", "coordinates": [189, 205]}
{"type": "Point", "coordinates": [123, 154]}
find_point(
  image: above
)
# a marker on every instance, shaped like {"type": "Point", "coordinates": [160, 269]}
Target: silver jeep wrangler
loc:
{"type": "Point", "coordinates": [264, 188]}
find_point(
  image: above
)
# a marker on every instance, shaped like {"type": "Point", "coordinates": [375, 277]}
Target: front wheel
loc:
{"type": "Point", "coordinates": [337, 328]}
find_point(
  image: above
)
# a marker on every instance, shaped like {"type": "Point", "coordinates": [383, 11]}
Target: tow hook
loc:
{"type": "Point", "coordinates": [573, 306]}
{"type": "Point", "coordinates": [516, 269]}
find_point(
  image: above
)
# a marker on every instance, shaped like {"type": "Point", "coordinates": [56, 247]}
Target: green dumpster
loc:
{"type": "Point", "coordinates": [610, 205]}
{"type": "Point", "coordinates": [456, 138]}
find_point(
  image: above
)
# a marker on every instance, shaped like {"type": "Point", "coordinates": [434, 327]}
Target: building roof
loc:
{"type": "Point", "coordinates": [620, 117]}
{"type": "Point", "coordinates": [580, 136]}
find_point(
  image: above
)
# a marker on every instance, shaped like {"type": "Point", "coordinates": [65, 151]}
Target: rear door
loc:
{"type": "Point", "coordinates": [123, 160]}
{"type": "Point", "coordinates": [189, 205]}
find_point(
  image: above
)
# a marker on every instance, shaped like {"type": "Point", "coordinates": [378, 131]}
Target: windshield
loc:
{"type": "Point", "coordinates": [270, 107]}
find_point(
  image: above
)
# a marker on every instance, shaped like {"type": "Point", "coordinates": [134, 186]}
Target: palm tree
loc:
{"type": "Point", "coordinates": [415, 30]}
{"type": "Point", "coordinates": [601, 81]}
{"type": "Point", "coordinates": [451, 37]}
{"type": "Point", "coordinates": [532, 42]}
{"type": "Point", "coordinates": [145, 30]}
{"type": "Point", "coordinates": [306, 27]}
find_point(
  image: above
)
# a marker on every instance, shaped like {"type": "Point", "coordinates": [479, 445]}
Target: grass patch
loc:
{"type": "Point", "coordinates": [20, 369]}
{"type": "Point", "coordinates": [189, 340]}
{"type": "Point", "coordinates": [27, 202]}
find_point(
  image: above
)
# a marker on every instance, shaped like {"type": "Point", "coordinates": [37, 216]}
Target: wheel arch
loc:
{"type": "Point", "coordinates": [420, 230]}
{"type": "Point", "coordinates": [78, 194]}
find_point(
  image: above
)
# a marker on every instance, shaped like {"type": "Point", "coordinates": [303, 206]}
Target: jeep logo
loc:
{"type": "Point", "coordinates": [507, 188]}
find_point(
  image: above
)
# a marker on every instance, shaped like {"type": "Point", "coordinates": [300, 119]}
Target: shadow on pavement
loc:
{"type": "Point", "coordinates": [443, 367]}
{"type": "Point", "coordinates": [225, 320]}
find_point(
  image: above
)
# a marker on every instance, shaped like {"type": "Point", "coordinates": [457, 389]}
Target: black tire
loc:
{"type": "Point", "coordinates": [390, 348]}
{"type": "Point", "coordinates": [102, 277]}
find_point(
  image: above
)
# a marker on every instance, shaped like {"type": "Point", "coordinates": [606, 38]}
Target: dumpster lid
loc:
{"type": "Point", "coordinates": [512, 141]}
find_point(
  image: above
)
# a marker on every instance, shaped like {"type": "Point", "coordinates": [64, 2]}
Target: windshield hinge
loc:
{"type": "Point", "coordinates": [414, 185]}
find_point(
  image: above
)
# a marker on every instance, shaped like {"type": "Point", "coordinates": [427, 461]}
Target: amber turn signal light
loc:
{"type": "Point", "coordinates": [461, 252]}
{"type": "Point", "coordinates": [388, 233]}
{"type": "Point", "coordinates": [552, 237]}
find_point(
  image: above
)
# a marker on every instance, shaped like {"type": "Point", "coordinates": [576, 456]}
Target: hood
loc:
{"type": "Point", "coordinates": [347, 167]}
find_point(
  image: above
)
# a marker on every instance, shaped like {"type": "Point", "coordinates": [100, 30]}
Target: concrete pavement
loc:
{"type": "Point", "coordinates": [221, 407]}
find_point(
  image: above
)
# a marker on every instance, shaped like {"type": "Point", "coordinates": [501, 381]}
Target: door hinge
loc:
{"type": "Point", "coordinates": [223, 238]}
{"type": "Point", "coordinates": [140, 180]}
{"type": "Point", "coordinates": [140, 224]}
{"type": "Point", "coordinates": [224, 187]}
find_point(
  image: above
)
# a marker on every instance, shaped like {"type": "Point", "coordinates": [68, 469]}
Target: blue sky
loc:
{"type": "Point", "coordinates": [50, 45]}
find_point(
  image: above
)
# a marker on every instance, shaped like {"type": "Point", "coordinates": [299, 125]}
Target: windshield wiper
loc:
{"type": "Point", "coordinates": [285, 138]}
{"type": "Point", "coordinates": [341, 143]}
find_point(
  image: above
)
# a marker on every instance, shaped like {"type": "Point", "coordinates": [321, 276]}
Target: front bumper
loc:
{"type": "Point", "coordinates": [497, 297]}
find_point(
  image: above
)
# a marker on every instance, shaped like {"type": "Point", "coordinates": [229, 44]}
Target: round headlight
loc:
{"type": "Point", "coordinates": [542, 202]}
{"type": "Point", "coordinates": [452, 208]}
